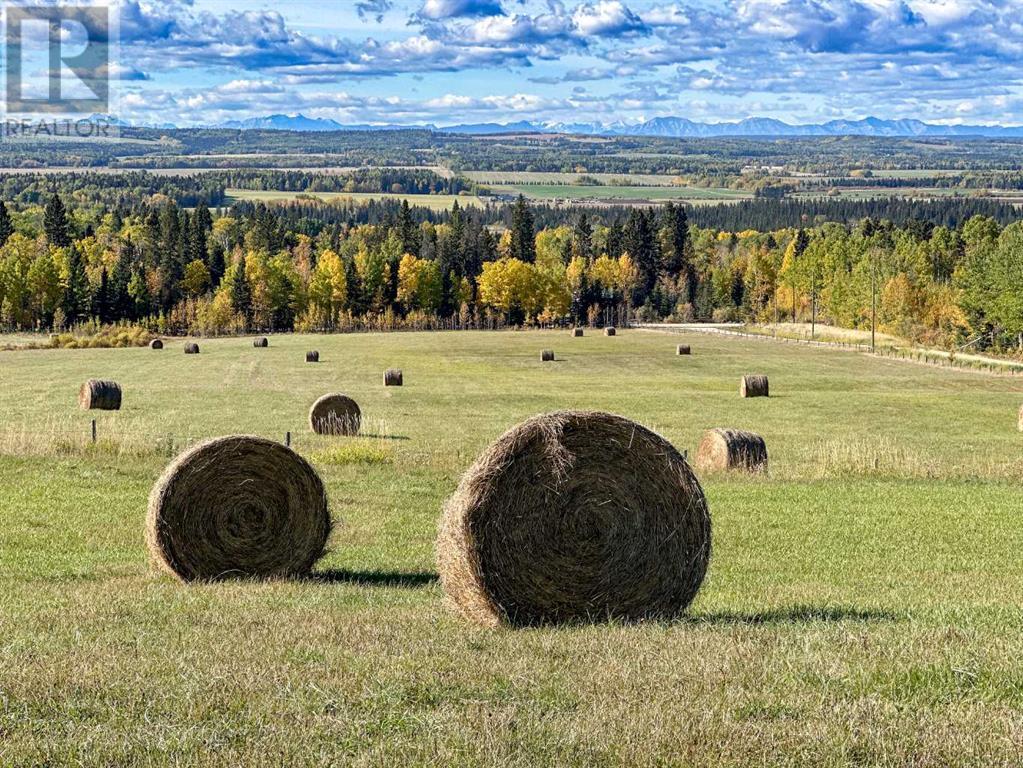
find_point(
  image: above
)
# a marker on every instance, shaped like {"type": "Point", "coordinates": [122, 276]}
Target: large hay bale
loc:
{"type": "Point", "coordinates": [335, 414]}
{"type": "Point", "coordinates": [753, 386]}
{"type": "Point", "coordinates": [100, 395]}
{"type": "Point", "coordinates": [547, 356]}
{"type": "Point", "coordinates": [574, 516]}
{"type": "Point", "coordinates": [683, 349]}
{"type": "Point", "coordinates": [393, 377]}
{"type": "Point", "coordinates": [724, 449]}
{"type": "Point", "coordinates": [238, 506]}
{"type": "Point", "coordinates": [610, 331]}
{"type": "Point", "coordinates": [577, 332]}
{"type": "Point", "coordinates": [312, 356]}
{"type": "Point", "coordinates": [261, 342]}
{"type": "Point", "coordinates": [191, 348]}
{"type": "Point", "coordinates": [156, 344]}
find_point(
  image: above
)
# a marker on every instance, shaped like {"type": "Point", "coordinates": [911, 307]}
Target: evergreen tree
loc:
{"type": "Point", "coordinates": [641, 246]}
{"type": "Point", "coordinates": [408, 230]}
{"type": "Point", "coordinates": [582, 240]}
{"type": "Point", "coordinates": [523, 233]}
{"type": "Point", "coordinates": [101, 299]}
{"type": "Point", "coordinates": [241, 292]}
{"type": "Point", "coordinates": [55, 223]}
{"type": "Point", "coordinates": [77, 293]}
{"type": "Point", "coordinates": [217, 264]}
{"type": "Point", "coordinates": [6, 227]}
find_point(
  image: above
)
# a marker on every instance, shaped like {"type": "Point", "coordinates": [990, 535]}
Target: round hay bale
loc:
{"type": "Point", "coordinates": [238, 506]}
{"type": "Point", "coordinates": [724, 449]}
{"type": "Point", "coordinates": [547, 356]}
{"type": "Point", "coordinates": [100, 395]}
{"type": "Point", "coordinates": [575, 516]}
{"type": "Point", "coordinates": [610, 331]}
{"type": "Point", "coordinates": [335, 414]}
{"type": "Point", "coordinates": [753, 386]}
{"type": "Point", "coordinates": [393, 377]}
{"type": "Point", "coordinates": [191, 348]}
{"type": "Point", "coordinates": [683, 349]}
{"type": "Point", "coordinates": [261, 342]}
{"type": "Point", "coordinates": [577, 332]}
{"type": "Point", "coordinates": [156, 344]}
{"type": "Point", "coordinates": [312, 357]}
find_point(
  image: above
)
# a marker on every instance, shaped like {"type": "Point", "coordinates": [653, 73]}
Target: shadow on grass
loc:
{"type": "Point", "coordinates": [384, 437]}
{"type": "Point", "coordinates": [800, 614]}
{"type": "Point", "coordinates": [375, 578]}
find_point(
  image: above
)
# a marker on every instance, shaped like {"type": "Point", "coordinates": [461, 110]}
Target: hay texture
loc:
{"type": "Point", "coordinates": [610, 331]}
{"type": "Point", "coordinates": [547, 356]}
{"type": "Point", "coordinates": [261, 342]}
{"type": "Point", "coordinates": [724, 449]}
{"type": "Point", "coordinates": [577, 332]}
{"type": "Point", "coordinates": [192, 348]}
{"type": "Point", "coordinates": [335, 414]}
{"type": "Point", "coordinates": [753, 386]}
{"type": "Point", "coordinates": [312, 357]}
{"type": "Point", "coordinates": [575, 516]}
{"type": "Point", "coordinates": [393, 377]}
{"type": "Point", "coordinates": [238, 506]}
{"type": "Point", "coordinates": [96, 395]}
{"type": "Point", "coordinates": [683, 349]}
{"type": "Point", "coordinates": [156, 344]}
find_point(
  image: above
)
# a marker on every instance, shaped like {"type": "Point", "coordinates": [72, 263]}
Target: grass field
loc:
{"type": "Point", "coordinates": [862, 605]}
{"type": "Point", "coordinates": [434, 202]}
{"type": "Point", "coordinates": [652, 193]}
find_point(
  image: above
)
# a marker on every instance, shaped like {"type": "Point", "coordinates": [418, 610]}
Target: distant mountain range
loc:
{"type": "Point", "coordinates": [668, 127]}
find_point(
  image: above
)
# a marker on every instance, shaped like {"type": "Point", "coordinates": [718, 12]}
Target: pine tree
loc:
{"type": "Point", "coordinates": [641, 246]}
{"type": "Point", "coordinates": [217, 265]}
{"type": "Point", "coordinates": [241, 292]}
{"type": "Point", "coordinates": [582, 239]}
{"type": "Point", "coordinates": [6, 227]}
{"type": "Point", "coordinates": [408, 229]}
{"type": "Point", "coordinates": [55, 223]}
{"type": "Point", "coordinates": [523, 233]}
{"type": "Point", "coordinates": [101, 299]}
{"type": "Point", "coordinates": [77, 293]}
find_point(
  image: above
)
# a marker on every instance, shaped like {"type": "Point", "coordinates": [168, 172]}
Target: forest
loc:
{"type": "Point", "coordinates": [279, 267]}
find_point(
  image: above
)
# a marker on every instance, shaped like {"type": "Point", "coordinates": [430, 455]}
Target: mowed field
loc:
{"type": "Point", "coordinates": [862, 605]}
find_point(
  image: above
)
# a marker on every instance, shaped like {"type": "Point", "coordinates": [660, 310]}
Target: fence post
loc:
{"type": "Point", "coordinates": [287, 439]}
{"type": "Point", "coordinates": [93, 431]}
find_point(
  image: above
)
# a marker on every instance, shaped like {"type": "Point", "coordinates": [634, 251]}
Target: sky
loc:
{"type": "Point", "coordinates": [442, 62]}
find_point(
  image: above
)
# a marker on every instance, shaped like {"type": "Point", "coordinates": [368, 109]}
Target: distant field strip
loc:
{"type": "Point", "coordinates": [434, 202]}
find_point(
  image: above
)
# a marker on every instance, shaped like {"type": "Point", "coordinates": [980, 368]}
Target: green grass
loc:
{"type": "Point", "coordinates": [608, 192]}
{"type": "Point", "coordinates": [862, 605]}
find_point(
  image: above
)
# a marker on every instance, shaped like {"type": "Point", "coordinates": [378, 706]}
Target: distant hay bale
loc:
{"type": "Point", "coordinates": [156, 344]}
{"type": "Point", "coordinates": [238, 506]}
{"type": "Point", "coordinates": [577, 332]}
{"type": "Point", "coordinates": [575, 516]}
{"type": "Point", "coordinates": [191, 348]}
{"type": "Point", "coordinates": [97, 395]}
{"type": "Point", "coordinates": [753, 386]}
{"type": "Point", "coordinates": [610, 331]}
{"type": "Point", "coordinates": [262, 341]}
{"type": "Point", "coordinates": [683, 349]}
{"type": "Point", "coordinates": [393, 377]}
{"type": "Point", "coordinates": [547, 356]}
{"type": "Point", "coordinates": [335, 414]}
{"type": "Point", "coordinates": [312, 357]}
{"type": "Point", "coordinates": [724, 449]}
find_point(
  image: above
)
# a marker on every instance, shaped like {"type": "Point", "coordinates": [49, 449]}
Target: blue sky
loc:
{"type": "Point", "coordinates": [454, 61]}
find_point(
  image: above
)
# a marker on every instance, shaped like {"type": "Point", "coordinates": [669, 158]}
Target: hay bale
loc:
{"type": "Point", "coordinates": [724, 449]}
{"type": "Point", "coordinates": [547, 356]}
{"type": "Point", "coordinates": [753, 386]}
{"type": "Point", "coordinates": [335, 414]}
{"type": "Point", "coordinates": [575, 516]}
{"type": "Point", "coordinates": [97, 395]}
{"type": "Point", "coordinates": [393, 377]}
{"type": "Point", "coordinates": [610, 331]}
{"type": "Point", "coordinates": [156, 344]}
{"type": "Point", "coordinates": [261, 342]}
{"type": "Point", "coordinates": [191, 348]}
{"type": "Point", "coordinates": [238, 506]}
{"type": "Point", "coordinates": [312, 356]}
{"type": "Point", "coordinates": [577, 332]}
{"type": "Point", "coordinates": [683, 349]}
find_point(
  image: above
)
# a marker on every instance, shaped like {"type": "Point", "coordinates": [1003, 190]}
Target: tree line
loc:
{"type": "Point", "coordinates": [249, 267]}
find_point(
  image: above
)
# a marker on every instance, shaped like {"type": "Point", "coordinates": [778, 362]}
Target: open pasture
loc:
{"type": "Point", "coordinates": [434, 202]}
{"type": "Point", "coordinates": [610, 193]}
{"type": "Point", "coordinates": [861, 607]}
